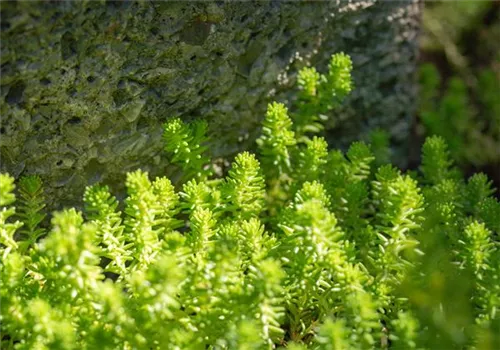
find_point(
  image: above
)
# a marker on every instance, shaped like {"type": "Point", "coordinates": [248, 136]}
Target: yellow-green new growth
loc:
{"type": "Point", "coordinates": [276, 140]}
{"type": "Point", "coordinates": [7, 229]}
{"type": "Point", "coordinates": [101, 208]}
{"type": "Point", "coordinates": [320, 93]}
{"type": "Point", "coordinates": [308, 80]}
{"type": "Point", "coordinates": [339, 81]}
{"type": "Point", "coordinates": [7, 187]}
{"type": "Point", "coordinates": [245, 188]}
{"type": "Point", "coordinates": [312, 160]}
{"type": "Point", "coordinates": [141, 225]}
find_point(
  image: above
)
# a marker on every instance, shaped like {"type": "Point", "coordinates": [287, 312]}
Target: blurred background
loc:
{"type": "Point", "coordinates": [460, 83]}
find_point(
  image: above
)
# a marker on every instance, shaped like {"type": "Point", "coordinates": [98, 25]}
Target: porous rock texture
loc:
{"type": "Point", "coordinates": [86, 85]}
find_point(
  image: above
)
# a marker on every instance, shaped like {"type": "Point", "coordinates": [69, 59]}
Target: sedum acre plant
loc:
{"type": "Point", "coordinates": [468, 119]}
{"type": "Point", "coordinates": [297, 247]}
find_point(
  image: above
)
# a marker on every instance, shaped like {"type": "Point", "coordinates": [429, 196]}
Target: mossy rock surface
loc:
{"type": "Point", "coordinates": [86, 85]}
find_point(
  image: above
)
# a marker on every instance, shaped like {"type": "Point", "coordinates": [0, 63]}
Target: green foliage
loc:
{"type": "Point", "coordinates": [380, 140]}
{"type": "Point", "coordinates": [7, 229]}
{"type": "Point", "coordinates": [311, 160]}
{"type": "Point", "coordinates": [319, 93]}
{"type": "Point", "coordinates": [31, 207]}
{"type": "Point", "coordinates": [185, 144]}
{"type": "Point", "coordinates": [467, 118]}
{"type": "Point", "coordinates": [436, 161]}
{"type": "Point", "coordinates": [277, 140]}
{"type": "Point", "coordinates": [487, 89]}
{"type": "Point", "coordinates": [101, 209]}
{"type": "Point", "coordinates": [318, 249]}
{"type": "Point", "coordinates": [245, 186]}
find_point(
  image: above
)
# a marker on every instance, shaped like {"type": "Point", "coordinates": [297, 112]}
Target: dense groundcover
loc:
{"type": "Point", "coordinates": [298, 246]}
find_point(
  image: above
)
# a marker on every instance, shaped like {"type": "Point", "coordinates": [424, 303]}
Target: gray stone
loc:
{"type": "Point", "coordinates": [86, 85]}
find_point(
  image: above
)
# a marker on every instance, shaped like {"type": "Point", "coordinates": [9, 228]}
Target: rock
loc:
{"type": "Point", "coordinates": [86, 85]}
